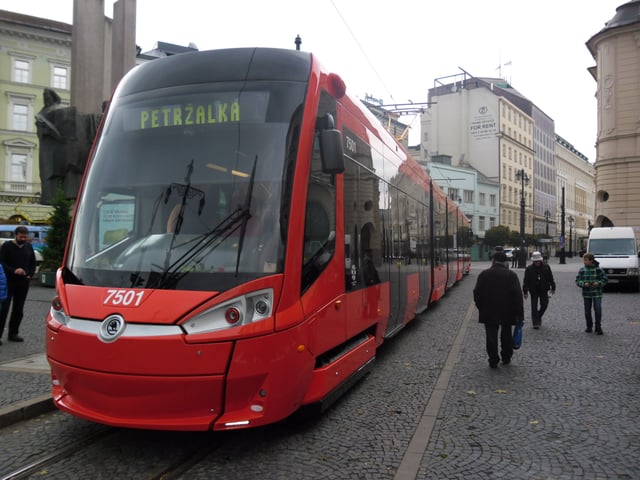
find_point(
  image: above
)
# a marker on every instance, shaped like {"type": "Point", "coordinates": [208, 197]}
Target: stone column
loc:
{"type": "Point", "coordinates": [87, 55]}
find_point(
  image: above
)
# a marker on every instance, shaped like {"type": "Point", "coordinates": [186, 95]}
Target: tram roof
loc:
{"type": "Point", "coordinates": [219, 66]}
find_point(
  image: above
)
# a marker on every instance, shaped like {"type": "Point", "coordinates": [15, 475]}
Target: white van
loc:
{"type": "Point", "coordinates": [616, 250]}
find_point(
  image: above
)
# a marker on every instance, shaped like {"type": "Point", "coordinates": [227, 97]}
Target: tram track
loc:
{"type": "Point", "coordinates": [72, 448]}
{"type": "Point", "coordinates": [184, 463]}
{"type": "Point", "coordinates": [152, 455]}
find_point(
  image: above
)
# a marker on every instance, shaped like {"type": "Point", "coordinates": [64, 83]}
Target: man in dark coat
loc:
{"type": "Point", "coordinates": [538, 280]}
{"type": "Point", "coordinates": [499, 301]}
{"type": "Point", "coordinates": [19, 263]}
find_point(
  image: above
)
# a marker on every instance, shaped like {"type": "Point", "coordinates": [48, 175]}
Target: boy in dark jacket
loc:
{"type": "Point", "coordinates": [538, 280]}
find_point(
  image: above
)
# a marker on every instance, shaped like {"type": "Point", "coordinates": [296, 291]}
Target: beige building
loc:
{"type": "Point", "coordinates": [576, 175]}
{"type": "Point", "coordinates": [516, 166]}
{"type": "Point", "coordinates": [616, 51]}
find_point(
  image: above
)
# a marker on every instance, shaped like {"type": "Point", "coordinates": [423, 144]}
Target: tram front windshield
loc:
{"type": "Point", "coordinates": [185, 190]}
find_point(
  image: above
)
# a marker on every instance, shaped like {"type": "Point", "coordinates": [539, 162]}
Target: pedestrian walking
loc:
{"type": "Point", "coordinates": [538, 281]}
{"type": "Point", "coordinates": [591, 279]}
{"type": "Point", "coordinates": [499, 249]}
{"type": "Point", "coordinates": [19, 264]}
{"type": "Point", "coordinates": [514, 257]}
{"type": "Point", "coordinates": [499, 301]}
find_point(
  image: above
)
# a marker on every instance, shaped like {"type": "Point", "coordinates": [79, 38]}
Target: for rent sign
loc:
{"type": "Point", "coordinates": [483, 124]}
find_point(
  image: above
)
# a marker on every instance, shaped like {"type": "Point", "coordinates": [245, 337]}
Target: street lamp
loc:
{"type": "Point", "coordinates": [570, 220]}
{"type": "Point", "coordinates": [522, 176]}
{"type": "Point", "coordinates": [547, 214]}
{"type": "Point", "coordinates": [562, 255]}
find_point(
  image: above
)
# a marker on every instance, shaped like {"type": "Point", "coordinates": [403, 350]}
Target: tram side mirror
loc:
{"type": "Point", "coordinates": [331, 151]}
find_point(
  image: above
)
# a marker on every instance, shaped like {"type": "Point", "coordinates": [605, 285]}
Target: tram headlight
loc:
{"type": "Point", "coordinates": [262, 307]}
{"type": "Point", "coordinates": [242, 310]}
{"type": "Point", "coordinates": [57, 311]}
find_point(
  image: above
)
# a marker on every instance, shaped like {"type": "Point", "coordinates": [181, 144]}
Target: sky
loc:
{"type": "Point", "coordinates": [394, 51]}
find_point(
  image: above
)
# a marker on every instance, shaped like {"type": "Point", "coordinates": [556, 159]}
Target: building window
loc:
{"type": "Point", "coordinates": [60, 77]}
{"type": "Point", "coordinates": [481, 198]}
{"type": "Point", "coordinates": [18, 169]}
{"type": "Point", "coordinates": [468, 196]}
{"type": "Point", "coordinates": [492, 200]}
{"type": "Point", "coordinates": [20, 112]}
{"type": "Point", "coordinates": [21, 71]}
{"type": "Point", "coordinates": [19, 116]}
{"type": "Point", "coordinates": [492, 222]}
{"type": "Point", "coordinates": [481, 226]}
{"type": "Point", "coordinates": [453, 194]}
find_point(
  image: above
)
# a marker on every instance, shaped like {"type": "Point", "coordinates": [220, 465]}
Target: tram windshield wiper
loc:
{"type": "Point", "coordinates": [212, 240]}
{"type": "Point", "coordinates": [206, 242]}
{"type": "Point", "coordinates": [247, 202]}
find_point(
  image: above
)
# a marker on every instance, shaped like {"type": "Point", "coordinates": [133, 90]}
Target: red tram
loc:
{"type": "Point", "coordinates": [246, 236]}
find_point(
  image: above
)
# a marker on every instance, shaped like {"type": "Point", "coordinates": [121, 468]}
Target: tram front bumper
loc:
{"type": "Point", "coordinates": [137, 401]}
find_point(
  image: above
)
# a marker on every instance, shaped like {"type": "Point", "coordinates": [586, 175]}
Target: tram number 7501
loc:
{"type": "Point", "coordinates": [127, 298]}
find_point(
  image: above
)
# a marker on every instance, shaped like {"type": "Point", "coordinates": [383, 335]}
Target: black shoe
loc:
{"type": "Point", "coordinates": [536, 327]}
{"type": "Point", "coordinates": [599, 331]}
{"type": "Point", "coordinates": [506, 361]}
{"type": "Point", "coordinates": [16, 338]}
{"type": "Point", "coordinates": [588, 330]}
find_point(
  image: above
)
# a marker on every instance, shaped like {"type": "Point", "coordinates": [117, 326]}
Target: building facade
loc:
{"type": "Point", "coordinates": [474, 193]}
{"type": "Point", "coordinates": [616, 51]}
{"type": "Point", "coordinates": [35, 54]}
{"type": "Point", "coordinates": [577, 177]}
{"type": "Point", "coordinates": [544, 175]}
{"type": "Point", "coordinates": [487, 124]}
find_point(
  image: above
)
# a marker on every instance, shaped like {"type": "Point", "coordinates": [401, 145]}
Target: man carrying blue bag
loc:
{"type": "Point", "coordinates": [498, 297]}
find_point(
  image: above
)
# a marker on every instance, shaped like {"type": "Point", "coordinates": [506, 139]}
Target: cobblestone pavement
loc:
{"type": "Point", "coordinates": [566, 408]}
{"type": "Point", "coordinates": [24, 375]}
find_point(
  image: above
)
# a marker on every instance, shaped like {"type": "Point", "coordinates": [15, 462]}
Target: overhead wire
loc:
{"type": "Point", "coordinates": [361, 49]}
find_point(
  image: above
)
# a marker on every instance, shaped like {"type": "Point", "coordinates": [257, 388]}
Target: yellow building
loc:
{"type": "Point", "coordinates": [35, 54]}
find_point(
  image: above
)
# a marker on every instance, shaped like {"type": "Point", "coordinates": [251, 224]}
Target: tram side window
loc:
{"type": "Point", "coordinates": [452, 233]}
{"type": "Point", "coordinates": [423, 245]}
{"type": "Point", "coordinates": [439, 226]}
{"type": "Point", "coordinates": [320, 215]}
{"type": "Point", "coordinates": [362, 199]}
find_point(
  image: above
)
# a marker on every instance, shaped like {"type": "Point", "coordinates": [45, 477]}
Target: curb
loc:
{"type": "Point", "coordinates": [26, 410]}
